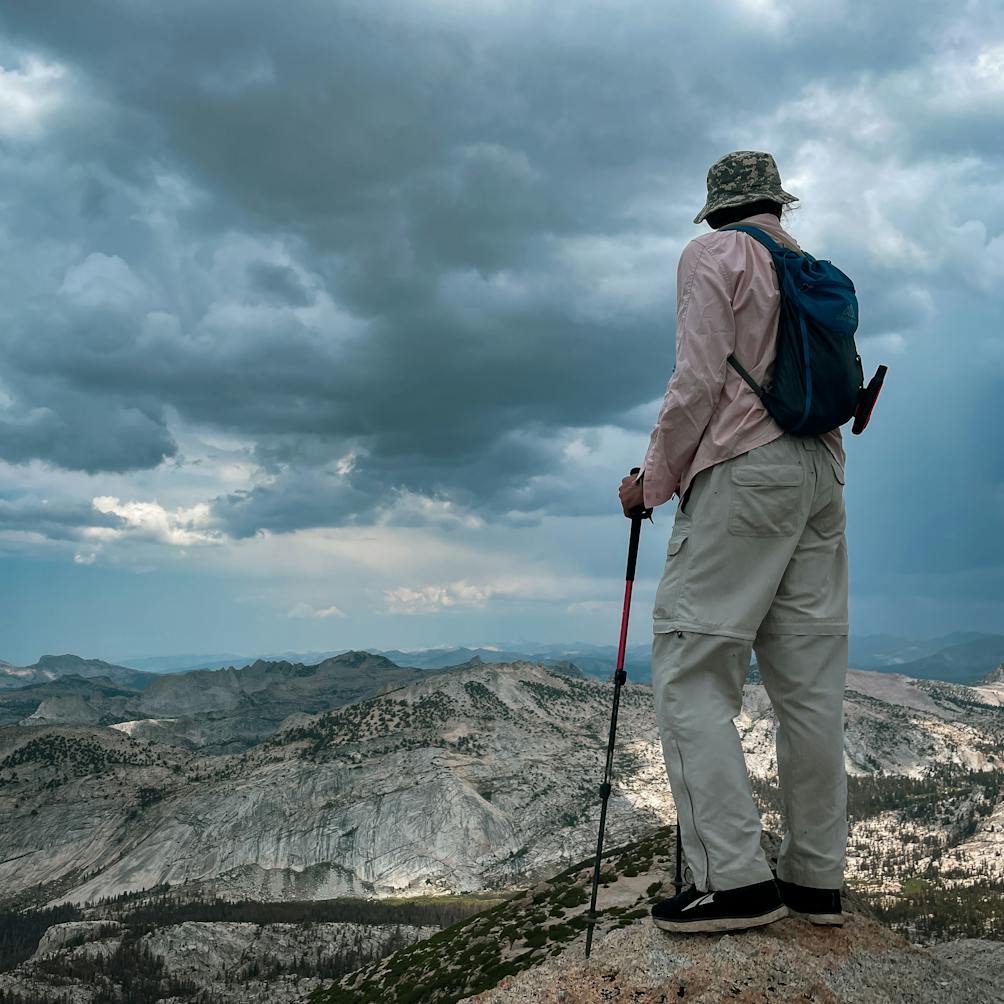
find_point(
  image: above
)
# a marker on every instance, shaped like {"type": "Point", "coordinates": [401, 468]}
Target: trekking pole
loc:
{"type": "Point", "coordinates": [620, 677]}
{"type": "Point", "coordinates": [678, 878]}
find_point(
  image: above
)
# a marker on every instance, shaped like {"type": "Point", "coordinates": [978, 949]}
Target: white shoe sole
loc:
{"type": "Point", "coordinates": [822, 919]}
{"type": "Point", "coordinates": [713, 925]}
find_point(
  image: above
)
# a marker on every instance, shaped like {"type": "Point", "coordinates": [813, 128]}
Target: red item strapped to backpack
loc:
{"type": "Point", "coordinates": [866, 403]}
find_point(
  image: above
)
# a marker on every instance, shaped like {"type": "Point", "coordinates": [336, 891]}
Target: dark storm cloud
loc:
{"type": "Point", "coordinates": [56, 520]}
{"type": "Point", "coordinates": [414, 180]}
{"type": "Point", "coordinates": [400, 183]}
{"type": "Point", "coordinates": [279, 283]}
{"type": "Point", "coordinates": [299, 499]}
{"type": "Point", "coordinates": [82, 434]}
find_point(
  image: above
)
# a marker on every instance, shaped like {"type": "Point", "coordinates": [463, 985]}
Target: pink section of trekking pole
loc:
{"type": "Point", "coordinates": [628, 586]}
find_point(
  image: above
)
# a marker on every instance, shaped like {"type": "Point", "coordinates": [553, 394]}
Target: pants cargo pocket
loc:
{"type": "Point", "coordinates": [667, 596]}
{"type": "Point", "coordinates": [766, 500]}
{"type": "Point", "coordinates": [832, 518]}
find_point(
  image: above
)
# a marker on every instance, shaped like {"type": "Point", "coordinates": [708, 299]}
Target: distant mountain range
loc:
{"type": "Point", "coordinates": [222, 710]}
{"type": "Point", "coordinates": [963, 663]}
{"type": "Point", "coordinates": [55, 667]}
{"type": "Point", "coordinates": [964, 657]}
{"type": "Point", "coordinates": [593, 660]}
{"type": "Point", "coordinates": [183, 663]}
{"type": "Point", "coordinates": [875, 651]}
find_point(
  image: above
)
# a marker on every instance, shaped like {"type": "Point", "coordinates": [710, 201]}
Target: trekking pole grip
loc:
{"type": "Point", "coordinates": [638, 513]}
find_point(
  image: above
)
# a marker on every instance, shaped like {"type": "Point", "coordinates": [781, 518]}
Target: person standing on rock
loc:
{"type": "Point", "coordinates": [757, 560]}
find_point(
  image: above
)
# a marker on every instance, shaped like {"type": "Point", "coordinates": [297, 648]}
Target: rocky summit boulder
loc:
{"type": "Point", "coordinates": [788, 961]}
{"type": "Point", "coordinates": [975, 957]}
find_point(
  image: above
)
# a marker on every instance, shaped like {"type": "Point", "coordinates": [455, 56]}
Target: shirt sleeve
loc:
{"type": "Point", "coordinates": [705, 336]}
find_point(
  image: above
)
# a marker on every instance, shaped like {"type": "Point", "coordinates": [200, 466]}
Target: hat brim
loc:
{"type": "Point", "coordinates": [785, 198]}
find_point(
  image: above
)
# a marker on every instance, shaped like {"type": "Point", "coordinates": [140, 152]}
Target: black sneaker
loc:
{"type": "Point", "coordinates": [731, 910]}
{"type": "Point", "coordinates": [821, 906]}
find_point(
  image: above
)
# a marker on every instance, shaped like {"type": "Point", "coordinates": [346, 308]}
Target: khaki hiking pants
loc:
{"type": "Point", "coordinates": [757, 560]}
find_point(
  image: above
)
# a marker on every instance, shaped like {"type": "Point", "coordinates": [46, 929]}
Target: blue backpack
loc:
{"type": "Point", "coordinates": [817, 382]}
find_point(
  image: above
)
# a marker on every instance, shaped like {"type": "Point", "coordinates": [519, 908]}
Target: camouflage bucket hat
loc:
{"type": "Point", "coordinates": [740, 177]}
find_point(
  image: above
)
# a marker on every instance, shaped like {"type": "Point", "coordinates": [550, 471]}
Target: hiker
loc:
{"type": "Point", "coordinates": [757, 561]}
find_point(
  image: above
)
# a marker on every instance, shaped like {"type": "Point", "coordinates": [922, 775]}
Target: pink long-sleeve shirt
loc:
{"type": "Point", "coordinates": [727, 301]}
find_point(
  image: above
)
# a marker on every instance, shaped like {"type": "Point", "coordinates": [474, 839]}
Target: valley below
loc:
{"type": "Point", "coordinates": [242, 825]}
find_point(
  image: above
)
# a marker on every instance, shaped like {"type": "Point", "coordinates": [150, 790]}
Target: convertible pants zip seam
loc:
{"type": "Point", "coordinates": [693, 815]}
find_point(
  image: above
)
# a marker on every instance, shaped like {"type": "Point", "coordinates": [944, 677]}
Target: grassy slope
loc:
{"type": "Point", "coordinates": [477, 953]}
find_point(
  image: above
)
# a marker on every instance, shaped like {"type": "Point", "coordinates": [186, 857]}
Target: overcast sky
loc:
{"type": "Point", "coordinates": [333, 323]}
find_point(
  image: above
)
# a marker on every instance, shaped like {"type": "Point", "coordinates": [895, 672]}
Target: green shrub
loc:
{"type": "Point", "coordinates": [575, 896]}
{"type": "Point", "coordinates": [535, 937]}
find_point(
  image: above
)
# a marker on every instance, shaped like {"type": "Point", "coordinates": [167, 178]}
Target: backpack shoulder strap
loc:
{"type": "Point", "coordinates": [775, 250]}
{"type": "Point", "coordinates": [759, 235]}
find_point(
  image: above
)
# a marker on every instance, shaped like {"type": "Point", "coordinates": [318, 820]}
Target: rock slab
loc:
{"type": "Point", "coordinates": [788, 961]}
